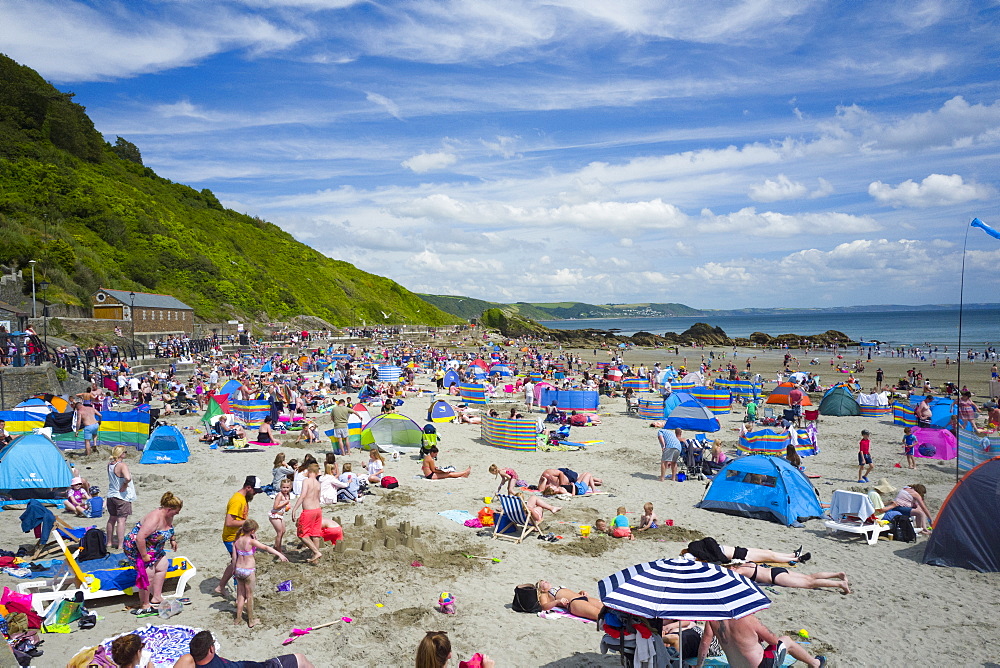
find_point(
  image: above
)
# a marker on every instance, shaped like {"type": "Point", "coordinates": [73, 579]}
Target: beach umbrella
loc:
{"type": "Point", "coordinates": [780, 395]}
{"type": "Point", "coordinates": [679, 588]}
{"type": "Point", "coordinates": [692, 415]}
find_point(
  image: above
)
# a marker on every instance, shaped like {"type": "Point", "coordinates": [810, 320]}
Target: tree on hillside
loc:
{"type": "Point", "coordinates": [126, 150]}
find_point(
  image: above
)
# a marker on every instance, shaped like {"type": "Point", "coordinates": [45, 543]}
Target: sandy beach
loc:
{"type": "Point", "coordinates": [900, 612]}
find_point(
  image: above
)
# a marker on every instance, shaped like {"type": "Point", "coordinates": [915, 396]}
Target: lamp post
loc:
{"type": "Point", "coordinates": [44, 285]}
{"type": "Point", "coordinates": [131, 317]}
{"type": "Point", "coordinates": [32, 263]}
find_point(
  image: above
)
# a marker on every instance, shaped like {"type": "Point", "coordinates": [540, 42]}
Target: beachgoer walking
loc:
{"type": "Point", "coordinates": [864, 456]}
{"type": "Point", "coordinates": [339, 415]}
{"type": "Point", "coordinates": [121, 495]}
{"type": "Point", "coordinates": [670, 451]}
{"type": "Point", "coordinates": [245, 568]}
{"type": "Point", "coordinates": [89, 420]}
{"type": "Point", "coordinates": [145, 545]}
{"type": "Point", "coordinates": [309, 523]}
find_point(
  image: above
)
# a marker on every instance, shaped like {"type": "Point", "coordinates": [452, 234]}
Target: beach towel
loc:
{"type": "Point", "coordinates": [558, 613]}
{"type": "Point", "coordinates": [459, 516]}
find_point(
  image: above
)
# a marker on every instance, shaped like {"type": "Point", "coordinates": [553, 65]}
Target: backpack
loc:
{"type": "Point", "coordinates": [901, 529]}
{"type": "Point", "coordinates": [525, 599]}
{"type": "Point", "coordinates": [388, 482]}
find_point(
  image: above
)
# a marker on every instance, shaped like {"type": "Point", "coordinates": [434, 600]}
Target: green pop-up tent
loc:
{"type": "Point", "coordinates": [839, 402]}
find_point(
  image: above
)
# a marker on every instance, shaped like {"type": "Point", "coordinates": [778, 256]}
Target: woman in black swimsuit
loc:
{"type": "Point", "coordinates": [574, 602]}
{"type": "Point", "coordinates": [266, 434]}
{"type": "Point", "coordinates": [794, 579]}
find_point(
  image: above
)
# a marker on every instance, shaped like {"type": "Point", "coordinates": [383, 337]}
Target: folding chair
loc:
{"type": "Point", "coordinates": [516, 522]}
{"type": "Point", "coordinates": [42, 516]}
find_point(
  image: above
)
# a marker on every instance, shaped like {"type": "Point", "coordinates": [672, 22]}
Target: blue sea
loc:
{"type": "Point", "coordinates": [980, 327]}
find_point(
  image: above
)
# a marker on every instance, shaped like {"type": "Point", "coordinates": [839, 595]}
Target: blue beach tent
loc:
{"type": "Point", "coordinates": [166, 445]}
{"type": "Point", "coordinates": [764, 488]}
{"type": "Point", "coordinates": [451, 376]}
{"type": "Point", "coordinates": [674, 400]}
{"type": "Point", "coordinates": [230, 387]}
{"type": "Point", "coordinates": [441, 411]}
{"type": "Point", "coordinates": [692, 415]}
{"type": "Point", "coordinates": [31, 467]}
{"type": "Point", "coordinates": [942, 409]}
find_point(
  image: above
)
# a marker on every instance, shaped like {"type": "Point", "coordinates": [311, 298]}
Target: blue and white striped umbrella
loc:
{"type": "Point", "coordinates": [389, 373]}
{"type": "Point", "coordinates": [681, 589]}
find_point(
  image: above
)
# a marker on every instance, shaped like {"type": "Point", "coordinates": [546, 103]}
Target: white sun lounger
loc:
{"type": "Point", "coordinates": [849, 512]}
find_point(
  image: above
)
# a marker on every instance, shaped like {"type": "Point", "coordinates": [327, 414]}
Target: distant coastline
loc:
{"type": "Point", "coordinates": [777, 311]}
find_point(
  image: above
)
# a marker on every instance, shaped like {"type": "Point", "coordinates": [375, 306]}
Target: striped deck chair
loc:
{"type": "Point", "coordinates": [516, 523]}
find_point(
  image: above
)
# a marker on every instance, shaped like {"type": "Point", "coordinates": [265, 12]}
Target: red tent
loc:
{"type": "Point", "coordinates": [780, 395]}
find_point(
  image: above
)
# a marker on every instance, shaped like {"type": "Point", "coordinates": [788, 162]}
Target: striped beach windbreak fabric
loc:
{"type": "Point", "coordinates": [681, 589]}
{"type": "Point", "coordinates": [740, 389]}
{"type": "Point", "coordinates": [251, 412]}
{"type": "Point", "coordinates": [686, 387]}
{"type": "Point", "coordinates": [510, 434]}
{"type": "Point", "coordinates": [763, 442]}
{"type": "Point", "coordinates": [129, 428]}
{"type": "Point", "coordinates": [473, 393]}
{"type": "Point", "coordinates": [650, 408]}
{"type": "Point", "coordinates": [636, 383]}
{"type": "Point", "coordinates": [20, 421]}
{"type": "Point", "coordinates": [719, 401]}
{"type": "Point", "coordinates": [874, 411]}
{"type": "Point", "coordinates": [388, 373]}
{"type": "Point", "coordinates": [973, 449]}
{"type": "Point", "coordinates": [902, 414]}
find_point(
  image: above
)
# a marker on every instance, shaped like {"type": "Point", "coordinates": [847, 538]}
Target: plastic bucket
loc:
{"type": "Point", "coordinates": [584, 530]}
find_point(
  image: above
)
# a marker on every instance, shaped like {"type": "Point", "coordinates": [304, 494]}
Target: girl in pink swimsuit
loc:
{"type": "Point", "coordinates": [245, 568]}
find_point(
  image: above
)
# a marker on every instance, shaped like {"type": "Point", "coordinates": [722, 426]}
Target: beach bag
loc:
{"type": "Point", "coordinates": [902, 529]}
{"type": "Point", "coordinates": [525, 599]}
{"type": "Point", "coordinates": [388, 482]}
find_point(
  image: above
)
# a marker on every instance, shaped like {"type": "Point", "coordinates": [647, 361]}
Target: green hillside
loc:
{"type": "Point", "coordinates": [92, 215]}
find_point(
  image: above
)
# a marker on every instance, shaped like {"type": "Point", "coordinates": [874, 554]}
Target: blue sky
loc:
{"type": "Point", "coordinates": [723, 154]}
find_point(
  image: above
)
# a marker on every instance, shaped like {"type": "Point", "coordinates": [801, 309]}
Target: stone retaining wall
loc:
{"type": "Point", "coordinates": [19, 383]}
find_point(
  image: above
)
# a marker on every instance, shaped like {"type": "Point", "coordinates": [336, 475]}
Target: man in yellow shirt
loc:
{"type": "Point", "coordinates": [236, 514]}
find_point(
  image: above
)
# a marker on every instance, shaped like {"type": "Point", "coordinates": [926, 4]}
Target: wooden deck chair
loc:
{"type": "Point", "coordinates": [515, 523]}
{"type": "Point", "coordinates": [72, 535]}
{"type": "Point", "coordinates": [43, 592]}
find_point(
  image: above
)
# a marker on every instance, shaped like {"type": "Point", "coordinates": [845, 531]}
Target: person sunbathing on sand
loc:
{"type": "Point", "coordinates": [577, 603]}
{"type": "Point", "coordinates": [536, 504]}
{"type": "Point", "coordinates": [708, 550]}
{"type": "Point", "coordinates": [432, 472]}
{"type": "Point", "coordinates": [794, 579]}
{"type": "Point", "coordinates": [562, 481]}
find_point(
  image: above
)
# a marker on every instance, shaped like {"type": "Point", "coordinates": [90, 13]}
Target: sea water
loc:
{"type": "Point", "coordinates": [980, 327]}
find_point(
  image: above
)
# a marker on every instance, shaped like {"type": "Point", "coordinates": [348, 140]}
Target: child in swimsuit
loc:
{"type": "Point", "coordinates": [245, 568]}
{"type": "Point", "coordinates": [507, 477]}
{"type": "Point", "coordinates": [648, 519]}
{"type": "Point", "coordinates": [282, 503]}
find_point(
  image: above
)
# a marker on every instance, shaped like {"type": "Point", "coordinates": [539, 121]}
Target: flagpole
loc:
{"type": "Point", "coordinates": [961, 309]}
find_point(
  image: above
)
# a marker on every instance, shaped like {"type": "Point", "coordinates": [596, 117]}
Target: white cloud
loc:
{"type": "Point", "coordinates": [778, 189]}
{"type": "Point", "coordinates": [381, 100]}
{"type": "Point", "coordinates": [771, 224]}
{"type": "Point", "coordinates": [429, 162]}
{"type": "Point", "coordinates": [83, 43]}
{"type": "Point", "coordinates": [935, 190]}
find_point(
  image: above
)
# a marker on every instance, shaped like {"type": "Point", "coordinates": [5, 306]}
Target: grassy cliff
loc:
{"type": "Point", "coordinates": [92, 215]}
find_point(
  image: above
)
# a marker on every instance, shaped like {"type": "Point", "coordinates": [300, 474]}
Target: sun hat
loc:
{"type": "Point", "coordinates": [883, 487]}
{"type": "Point", "coordinates": [76, 481]}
